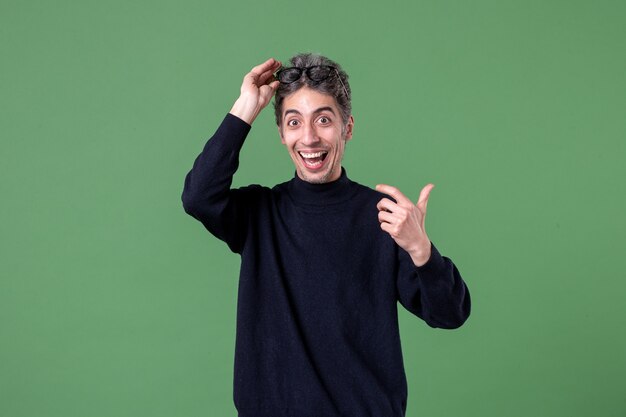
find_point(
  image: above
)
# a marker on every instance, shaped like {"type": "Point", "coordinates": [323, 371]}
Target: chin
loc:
{"type": "Point", "coordinates": [311, 180]}
{"type": "Point", "coordinates": [317, 178]}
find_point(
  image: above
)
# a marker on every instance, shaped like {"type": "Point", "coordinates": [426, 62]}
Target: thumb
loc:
{"type": "Point", "coordinates": [424, 194]}
{"type": "Point", "coordinates": [267, 91]}
{"type": "Point", "coordinates": [274, 85]}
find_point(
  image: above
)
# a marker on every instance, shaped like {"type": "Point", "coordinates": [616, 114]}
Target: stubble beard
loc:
{"type": "Point", "coordinates": [316, 180]}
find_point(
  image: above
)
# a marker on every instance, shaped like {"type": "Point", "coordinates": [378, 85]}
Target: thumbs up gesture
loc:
{"type": "Point", "coordinates": [404, 221]}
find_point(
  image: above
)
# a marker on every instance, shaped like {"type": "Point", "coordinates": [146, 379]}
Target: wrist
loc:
{"type": "Point", "coordinates": [421, 254]}
{"type": "Point", "coordinates": [245, 108]}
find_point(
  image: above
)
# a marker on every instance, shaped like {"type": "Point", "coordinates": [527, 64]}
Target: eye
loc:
{"type": "Point", "coordinates": [324, 120]}
{"type": "Point", "coordinates": [293, 122]}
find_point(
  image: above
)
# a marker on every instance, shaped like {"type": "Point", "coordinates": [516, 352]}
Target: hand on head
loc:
{"type": "Point", "coordinates": [257, 89]}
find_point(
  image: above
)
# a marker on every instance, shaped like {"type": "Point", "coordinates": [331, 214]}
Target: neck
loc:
{"type": "Point", "coordinates": [321, 194]}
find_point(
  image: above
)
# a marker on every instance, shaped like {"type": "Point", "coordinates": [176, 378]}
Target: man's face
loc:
{"type": "Point", "coordinates": [311, 129]}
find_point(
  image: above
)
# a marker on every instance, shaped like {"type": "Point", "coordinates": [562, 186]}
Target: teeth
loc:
{"type": "Point", "coordinates": [311, 164]}
{"type": "Point", "coordinates": [313, 155]}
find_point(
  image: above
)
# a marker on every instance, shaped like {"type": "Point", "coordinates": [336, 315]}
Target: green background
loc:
{"type": "Point", "coordinates": [114, 302]}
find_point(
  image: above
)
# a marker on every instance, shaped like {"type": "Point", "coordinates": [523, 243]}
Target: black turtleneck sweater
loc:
{"type": "Point", "coordinates": [317, 323]}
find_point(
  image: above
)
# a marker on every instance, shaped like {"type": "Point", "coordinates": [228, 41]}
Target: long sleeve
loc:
{"type": "Point", "coordinates": [207, 195]}
{"type": "Point", "coordinates": [434, 291]}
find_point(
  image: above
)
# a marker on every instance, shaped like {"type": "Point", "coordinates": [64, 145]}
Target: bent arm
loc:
{"type": "Point", "coordinates": [434, 291]}
{"type": "Point", "coordinates": [207, 195]}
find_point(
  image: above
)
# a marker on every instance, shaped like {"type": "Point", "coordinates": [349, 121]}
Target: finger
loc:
{"type": "Point", "coordinates": [267, 91]}
{"type": "Point", "coordinates": [270, 78]}
{"type": "Point", "coordinates": [385, 217]}
{"type": "Point", "coordinates": [387, 227]}
{"type": "Point", "coordinates": [424, 194]}
{"type": "Point", "coordinates": [260, 79]}
{"type": "Point", "coordinates": [266, 78]}
{"type": "Point", "coordinates": [269, 65]}
{"type": "Point", "coordinates": [271, 86]}
{"type": "Point", "coordinates": [395, 193]}
{"type": "Point", "coordinates": [260, 74]}
{"type": "Point", "coordinates": [386, 205]}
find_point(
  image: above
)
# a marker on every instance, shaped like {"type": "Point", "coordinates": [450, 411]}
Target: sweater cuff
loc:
{"type": "Point", "coordinates": [230, 135]}
{"type": "Point", "coordinates": [434, 264]}
{"type": "Point", "coordinates": [236, 123]}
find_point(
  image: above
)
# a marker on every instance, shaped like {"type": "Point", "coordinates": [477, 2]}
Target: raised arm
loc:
{"type": "Point", "coordinates": [207, 195]}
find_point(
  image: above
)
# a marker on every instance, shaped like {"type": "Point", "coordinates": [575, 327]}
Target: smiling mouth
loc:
{"type": "Point", "coordinates": [313, 160]}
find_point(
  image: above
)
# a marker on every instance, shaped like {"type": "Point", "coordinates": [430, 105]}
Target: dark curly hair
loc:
{"type": "Point", "coordinates": [331, 86]}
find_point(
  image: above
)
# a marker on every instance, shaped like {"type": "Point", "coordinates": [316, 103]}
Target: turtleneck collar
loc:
{"type": "Point", "coordinates": [324, 194]}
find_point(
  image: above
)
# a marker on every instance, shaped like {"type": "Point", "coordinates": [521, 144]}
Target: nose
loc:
{"type": "Point", "coordinates": [309, 136]}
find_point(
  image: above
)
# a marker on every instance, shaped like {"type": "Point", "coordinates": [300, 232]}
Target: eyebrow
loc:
{"type": "Point", "coordinates": [321, 109]}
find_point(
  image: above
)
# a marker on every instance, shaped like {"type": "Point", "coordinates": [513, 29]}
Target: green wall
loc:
{"type": "Point", "coordinates": [114, 302]}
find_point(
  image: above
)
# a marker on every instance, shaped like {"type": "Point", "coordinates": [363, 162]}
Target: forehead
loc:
{"type": "Point", "coordinates": [307, 101]}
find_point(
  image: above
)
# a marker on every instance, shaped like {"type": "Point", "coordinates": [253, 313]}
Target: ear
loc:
{"type": "Point", "coordinates": [349, 128]}
{"type": "Point", "coordinates": [280, 133]}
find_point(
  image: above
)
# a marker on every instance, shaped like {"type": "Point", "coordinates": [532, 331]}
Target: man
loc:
{"type": "Point", "coordinates": [324, 260]}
